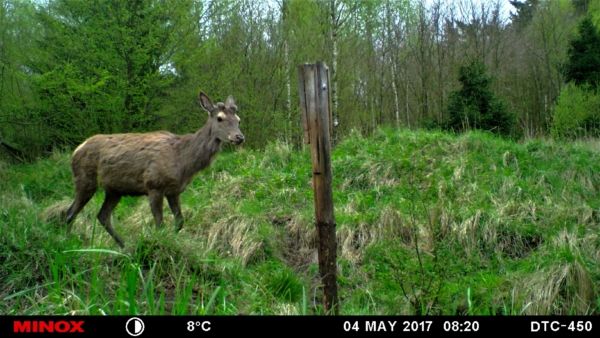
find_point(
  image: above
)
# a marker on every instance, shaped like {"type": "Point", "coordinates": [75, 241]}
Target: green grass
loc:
{"type": "Point", "coordinates": [428, 223]}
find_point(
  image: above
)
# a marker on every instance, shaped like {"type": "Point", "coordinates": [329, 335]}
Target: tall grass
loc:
{"type": "Point", "coordinates": [427, 222]}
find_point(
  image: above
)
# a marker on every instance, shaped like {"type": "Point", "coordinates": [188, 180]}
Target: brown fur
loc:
{"type": "Point", "coordinates": [158, 164]}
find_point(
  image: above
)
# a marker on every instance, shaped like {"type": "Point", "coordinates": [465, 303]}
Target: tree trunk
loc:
{"type": "Point", "coordinates": [407, 110]}
{"type": "Point", "coordinates": [334, 56]}
{"type": "Point", "coordinates": [287, 65]}
{"type": "Point", "coordinates": [395, 91]}
{"type": "Point", "coordinates": [288, 85]}
{"type": "Point", "coordinates": [389, 39]}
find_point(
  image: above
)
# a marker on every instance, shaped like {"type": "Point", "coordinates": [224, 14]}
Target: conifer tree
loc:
{"type": "Point", "coordinates": [583, 66]}
{"type": "Point", "coordinates": [475, 106]}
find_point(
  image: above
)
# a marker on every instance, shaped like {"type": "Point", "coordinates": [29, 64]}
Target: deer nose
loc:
{"type": "Point", "coordinates": [239, 138]}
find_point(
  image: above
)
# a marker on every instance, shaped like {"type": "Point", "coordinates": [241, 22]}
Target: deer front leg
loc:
{"type": "Point", "coordinates": [156, 205]}
{"type": "Point", "coordinates": [176, 209]}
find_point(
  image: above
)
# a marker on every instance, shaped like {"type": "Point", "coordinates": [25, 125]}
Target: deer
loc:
{"type": "Point", "coordinates": [156, 164]}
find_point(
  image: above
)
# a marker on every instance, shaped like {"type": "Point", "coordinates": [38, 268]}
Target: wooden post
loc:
{"type": "Point", "coordinates": [313, 87]}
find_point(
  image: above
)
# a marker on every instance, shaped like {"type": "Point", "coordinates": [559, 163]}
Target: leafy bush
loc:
{"type": "Point", "coordinates": [577, 112]}
{"type": "Point", "coordinates": [475, 106]}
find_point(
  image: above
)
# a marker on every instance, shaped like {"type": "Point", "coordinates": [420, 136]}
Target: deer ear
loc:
{"type": "Point", "coordinates": [205, 102]}
{"type": "Point", "coordinates": [230, 102]}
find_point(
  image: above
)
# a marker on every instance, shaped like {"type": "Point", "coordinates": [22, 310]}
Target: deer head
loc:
{"type": "Point", "coordinates": [225, 123]}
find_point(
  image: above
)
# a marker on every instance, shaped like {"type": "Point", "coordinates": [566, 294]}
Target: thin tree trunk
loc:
{"type": "Point", "coordinates": [334, 57]}
{"type": "Point", "coordinates": [395, 90]}
{"type": "Point", "coordinates": [407, 110]}
{"type": "Point", "coordinates": [288, 86]}
{"type": "Point", "coordinates": [389, 40]}
{"type": "Point", "coordinates": [287, 65]}
{"type": "Point", "coordinates": [334, 88]}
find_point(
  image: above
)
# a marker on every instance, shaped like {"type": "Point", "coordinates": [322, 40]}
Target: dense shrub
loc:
{"type": "Point", "coordinates": [577, 112]}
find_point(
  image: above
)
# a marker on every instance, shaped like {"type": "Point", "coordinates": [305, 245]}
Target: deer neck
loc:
{"type": "Point", "coordinates": [198, 150]}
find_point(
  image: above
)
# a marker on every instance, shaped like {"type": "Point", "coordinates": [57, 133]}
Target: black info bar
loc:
{"type": "Point", "coordinates": [332, 326]}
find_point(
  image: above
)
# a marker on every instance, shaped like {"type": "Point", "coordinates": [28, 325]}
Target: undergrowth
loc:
{"type": "Point", "coordinates": [427, 223]}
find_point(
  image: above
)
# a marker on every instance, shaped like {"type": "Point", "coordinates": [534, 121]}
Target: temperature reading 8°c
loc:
{"type": "Point", "coordinates": [202, 325]}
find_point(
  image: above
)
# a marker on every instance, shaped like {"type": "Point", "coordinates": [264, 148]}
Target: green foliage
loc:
{"type": "Point", "coordinates": [475, 106]}
{"type": "Point", "coordinates": [102, 66]}
{"type": "Point", "coordinates": [73, 68]}
{"type": "Point", "coordinates": [427, 222]}
{"type": "Point", "coordinates": [583, 66]}
{"type": "Point", "coordinates": [536, 74]}
{"type": "Point", "coordinates": [577, 112]}
{"type": "Point", "coordinates": [594, 11]}
{"type": "Point", "coordinates": [19, 122]}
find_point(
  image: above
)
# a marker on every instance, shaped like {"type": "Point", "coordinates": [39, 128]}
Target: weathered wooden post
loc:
{"type": "Point", "coordinates": [313, 87]}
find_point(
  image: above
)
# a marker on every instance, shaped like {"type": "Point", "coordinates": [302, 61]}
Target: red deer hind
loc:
{"type": "Point", "coordinates": [157, 164]}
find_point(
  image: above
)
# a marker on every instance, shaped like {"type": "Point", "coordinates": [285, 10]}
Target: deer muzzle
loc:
{"type": "Point", "coordinates": [237, 139]}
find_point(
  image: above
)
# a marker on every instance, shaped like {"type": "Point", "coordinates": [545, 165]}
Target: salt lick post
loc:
{"type": "Point", "coordinates": [313, 87]}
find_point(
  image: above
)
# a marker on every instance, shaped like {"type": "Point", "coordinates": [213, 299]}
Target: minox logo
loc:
{"type": "Point", "coordinates": [48, 326]}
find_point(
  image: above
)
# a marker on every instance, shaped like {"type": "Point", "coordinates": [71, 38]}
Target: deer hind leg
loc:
{"type": "Point", "coordinates": [111, 199]}
{"type": "Point", "coordinates": [83, 194]}
{"type": "Point", "coordinates": [156, 205]}
{"type": "Point", "coordinates": [176, 209]}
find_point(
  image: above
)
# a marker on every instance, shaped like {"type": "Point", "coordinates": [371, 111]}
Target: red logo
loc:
{"type": "Point", "coordinates": [48, 326]}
